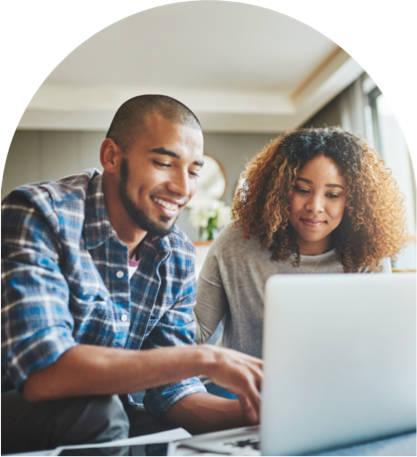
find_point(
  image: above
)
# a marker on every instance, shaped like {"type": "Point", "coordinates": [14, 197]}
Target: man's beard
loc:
{"type": "Point", "coordinates": [138, 216]}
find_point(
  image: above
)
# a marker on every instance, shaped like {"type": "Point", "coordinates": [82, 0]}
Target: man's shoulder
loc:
{"type": "Point", "coordinates": [54, 200]}
{"type": "Point", "coordinates": [69, 188]}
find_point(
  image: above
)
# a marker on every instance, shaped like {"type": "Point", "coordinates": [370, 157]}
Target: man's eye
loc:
{"type": "Point", "coordinates": [161, 164]}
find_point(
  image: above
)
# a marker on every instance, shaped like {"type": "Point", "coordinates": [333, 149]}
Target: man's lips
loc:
{"type": "Point", "coordinates": [167, 206]}
{"type": "Point", "coordinates": [312, 222]}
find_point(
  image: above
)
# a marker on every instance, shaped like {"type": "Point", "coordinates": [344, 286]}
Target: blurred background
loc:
{"type": "Point", "coordinates": [249, 74]}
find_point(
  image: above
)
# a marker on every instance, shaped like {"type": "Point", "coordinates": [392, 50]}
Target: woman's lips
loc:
{"type": "Point", "coordinates": [312, 222]}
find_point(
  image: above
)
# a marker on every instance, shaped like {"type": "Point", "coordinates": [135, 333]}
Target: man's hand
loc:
{"type": "Point", "coordinates": [241, 374]}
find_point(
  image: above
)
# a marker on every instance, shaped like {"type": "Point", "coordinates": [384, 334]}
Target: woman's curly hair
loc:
{"type": "Point", "coordinates": [374, 220]}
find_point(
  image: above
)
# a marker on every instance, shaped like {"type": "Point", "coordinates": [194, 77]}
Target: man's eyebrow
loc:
{"type": "Point", "coordinates": [166, 152]}
{"type": "Point", "coordinates": [327, 185]}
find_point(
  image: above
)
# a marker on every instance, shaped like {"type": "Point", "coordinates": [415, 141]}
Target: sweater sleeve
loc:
{"type": "Point", "coordinates": [212, 303]}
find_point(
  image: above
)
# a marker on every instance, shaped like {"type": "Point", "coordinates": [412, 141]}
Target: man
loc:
{"type": "Point", "coordinates": [93, 269]}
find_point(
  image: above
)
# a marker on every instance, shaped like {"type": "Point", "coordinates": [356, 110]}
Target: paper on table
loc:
{"type": "Point", "coordinates": [35, 453]}
{"type": "Point", "coordinates": [153, 438]}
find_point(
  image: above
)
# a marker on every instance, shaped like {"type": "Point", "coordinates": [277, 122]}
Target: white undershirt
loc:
{"type": "Point", "coordinates": [133, 266]}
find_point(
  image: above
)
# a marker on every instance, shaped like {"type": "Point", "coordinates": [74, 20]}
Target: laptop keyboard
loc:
{"type": "Point", "coordinates": [241, 441]}
{"type": "Point", "coordinates": [253, 443]}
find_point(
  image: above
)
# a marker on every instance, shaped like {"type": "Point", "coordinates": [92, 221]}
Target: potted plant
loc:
{"type": "Point", "coordinates": [209, 218]}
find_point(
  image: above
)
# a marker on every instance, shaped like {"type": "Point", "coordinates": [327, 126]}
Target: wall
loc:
{"type": "Point", "coordinates": [43, 155]}
{"type": "Point", "coordinates": [329, 115]}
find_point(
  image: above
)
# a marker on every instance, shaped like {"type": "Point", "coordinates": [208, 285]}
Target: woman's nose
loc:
{"type": "Point", "coordinates": [315, 204]}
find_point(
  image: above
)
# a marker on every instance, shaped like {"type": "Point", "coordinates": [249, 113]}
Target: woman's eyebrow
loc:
{"type": "Point", "coordinates": [308, 181]}
{"type": "Point", "coordinates": [305, 180]}
{"type": "Point", "coordinates": [335, 185]}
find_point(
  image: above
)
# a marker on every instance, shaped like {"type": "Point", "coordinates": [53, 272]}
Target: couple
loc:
{"type": "Point", "coordinates": [94, 269]}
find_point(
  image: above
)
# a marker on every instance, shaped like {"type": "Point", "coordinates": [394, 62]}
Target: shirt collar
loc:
{"type": "Point", "coordinates": [160, 246]}
{"type": "Point", "coordinates": [97, 225]}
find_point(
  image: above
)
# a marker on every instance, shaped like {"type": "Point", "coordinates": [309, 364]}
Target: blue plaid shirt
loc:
{"type": "Point", "coordinates": [65, 281]}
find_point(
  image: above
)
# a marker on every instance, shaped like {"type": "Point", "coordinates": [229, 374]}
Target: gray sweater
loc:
{"type": "Point", "coordinates": [231, 288]}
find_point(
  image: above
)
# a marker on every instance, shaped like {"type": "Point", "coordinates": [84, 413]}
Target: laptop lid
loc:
{"type": "Point", "coordinates": [340, 360]}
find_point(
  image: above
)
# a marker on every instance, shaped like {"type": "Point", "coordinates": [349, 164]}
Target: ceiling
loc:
{"type": "Point", "coordinates": [240, 68]}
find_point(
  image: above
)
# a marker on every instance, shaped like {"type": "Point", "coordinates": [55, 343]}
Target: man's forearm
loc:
{"type": "Point", "coordinates": [95, 370]}
{"type": "Point", "coordinates": [203, 412]}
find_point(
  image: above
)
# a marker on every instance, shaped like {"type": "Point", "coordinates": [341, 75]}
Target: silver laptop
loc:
{"type": "Point", "coordinates": [340, 365]}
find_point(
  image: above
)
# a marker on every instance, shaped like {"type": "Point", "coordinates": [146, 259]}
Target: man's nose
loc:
{"type": "Point", "coordinates": [179, 183]}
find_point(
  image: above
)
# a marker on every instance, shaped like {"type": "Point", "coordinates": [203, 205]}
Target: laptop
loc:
{"type": "Point", "coordinates": [340, 366]}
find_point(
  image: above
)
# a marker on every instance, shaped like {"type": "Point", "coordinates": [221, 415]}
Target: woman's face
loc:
{"type": "Point", "coordinates": [317, 204]}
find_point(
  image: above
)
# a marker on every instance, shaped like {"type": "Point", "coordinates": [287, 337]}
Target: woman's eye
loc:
{"type": "Point", "coordinates": [194, 173]}
{"type": "Point", "coordinates": [333, 195]}
{"type": "Point", "coordinates": [301, 190]}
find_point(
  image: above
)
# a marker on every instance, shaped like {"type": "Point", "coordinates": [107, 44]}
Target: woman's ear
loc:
{"type": "Point", "coordinates": [110, 156]}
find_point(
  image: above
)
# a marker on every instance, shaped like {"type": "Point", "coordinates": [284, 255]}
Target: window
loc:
{"type": "Point", "coordinates": [384, 133]}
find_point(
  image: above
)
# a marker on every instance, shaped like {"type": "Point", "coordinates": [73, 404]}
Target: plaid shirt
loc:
{"type": "Point", "coordinates": [65, 281]}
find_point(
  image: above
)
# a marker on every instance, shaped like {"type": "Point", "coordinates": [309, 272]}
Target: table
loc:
{"type": "Point", "coordinates": [401, 445]}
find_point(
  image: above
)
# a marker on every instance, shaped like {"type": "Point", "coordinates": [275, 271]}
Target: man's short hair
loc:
{"type": "Point", "coordinates": [129, 120]}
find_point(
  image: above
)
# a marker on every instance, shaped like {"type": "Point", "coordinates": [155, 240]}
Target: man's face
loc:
{"type": "Point", "coordinates": [158, 175]}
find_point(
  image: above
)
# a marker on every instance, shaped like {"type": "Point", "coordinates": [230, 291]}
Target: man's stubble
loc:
{"type": "Point", "coordinates": [138, 216]}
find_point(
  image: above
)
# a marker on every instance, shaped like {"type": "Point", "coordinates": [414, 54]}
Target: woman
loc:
{"type": "Point", "coordinates": [313, 201]}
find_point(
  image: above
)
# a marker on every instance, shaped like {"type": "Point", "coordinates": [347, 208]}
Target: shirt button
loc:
{"type": "Point", "coordinates": [123, 318]}
{"type": "Point", "coordinates": [120, 274]}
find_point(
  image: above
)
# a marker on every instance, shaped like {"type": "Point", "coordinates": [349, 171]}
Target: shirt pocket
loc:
{"type": "Point", "coordinates": [92, 310]}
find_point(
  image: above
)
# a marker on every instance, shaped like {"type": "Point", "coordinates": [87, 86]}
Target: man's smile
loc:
{"type": "Point", "coordinates": [168, 207]}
